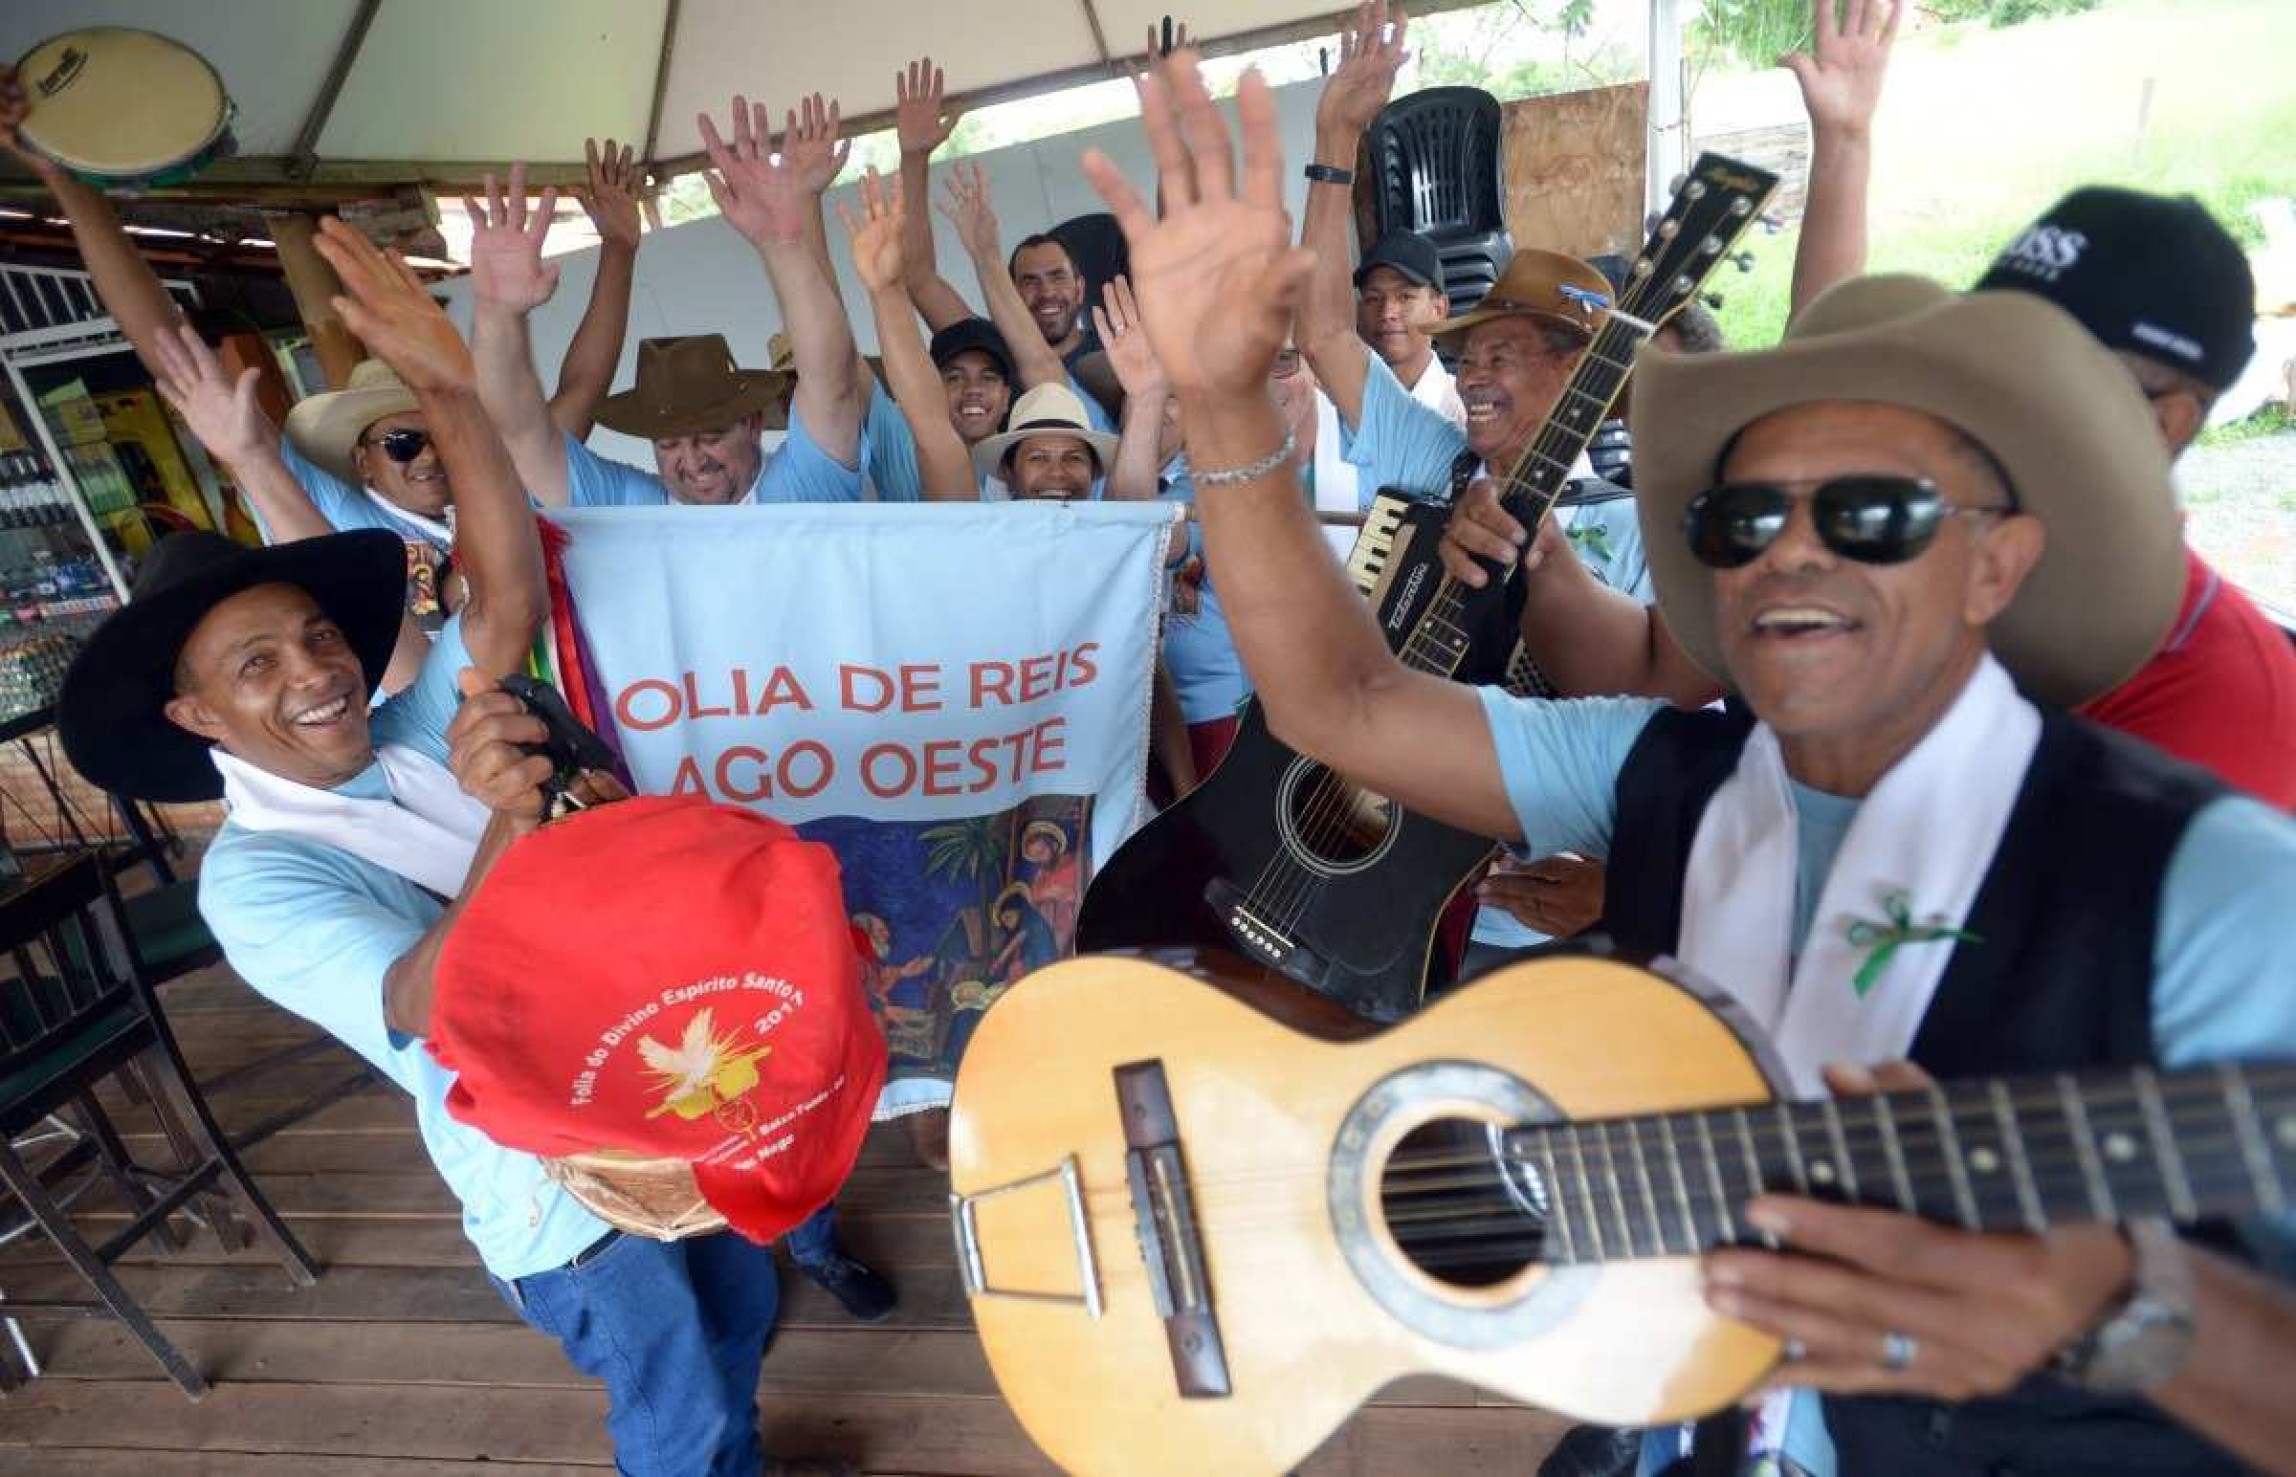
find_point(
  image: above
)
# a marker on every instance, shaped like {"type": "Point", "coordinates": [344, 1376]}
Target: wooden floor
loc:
{"type": "Point", "coordinates": [403, 1360]}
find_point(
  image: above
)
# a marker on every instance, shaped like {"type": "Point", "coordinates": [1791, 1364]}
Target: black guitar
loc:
{"type": "Point", "coordinates": [1318, 879]}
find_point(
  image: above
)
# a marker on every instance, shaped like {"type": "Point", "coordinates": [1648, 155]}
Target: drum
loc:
{"type": "Point", "coordinates": [654, 1198]}
{"type": "Point", "coordinates": [122, 108]}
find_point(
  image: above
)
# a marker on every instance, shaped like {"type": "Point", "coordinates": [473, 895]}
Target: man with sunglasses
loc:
{"type": "Point", "coordinates": [1846, 529]}
{"type": "Point", "coordinates": [2163, 286]}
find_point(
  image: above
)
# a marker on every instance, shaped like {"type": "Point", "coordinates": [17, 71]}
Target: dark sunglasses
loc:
{"type": "Point", "coordinates": [1871, 517]}
{"type": "Point", "coordinates": [402, 445]}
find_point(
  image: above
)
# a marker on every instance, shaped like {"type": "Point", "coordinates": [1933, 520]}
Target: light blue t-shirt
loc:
{"type": "Point", "coordinates": [797, 471]}
{"type": "Point", "coordinates": [2221, 991]}
{"type": "Point", "coordinates": [345, 507]}
{"type": "Point", "coordinates": [314, 929]}
{"type": "Point", "coordinates": [889, 453]}
{"type": "Point", "coordinates": [1199, 653]}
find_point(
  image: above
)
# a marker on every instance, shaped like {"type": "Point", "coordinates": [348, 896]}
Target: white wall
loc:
{"type": "Point", "coordinates": [703, 278]}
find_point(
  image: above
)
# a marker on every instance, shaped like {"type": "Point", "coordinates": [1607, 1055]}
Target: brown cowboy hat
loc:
{"type": "Point", "coordinates": [2014, 373]}
{"type": "Point", "coordinates": [1545, 285]}
{"type": "Point", "coordinates": [691, 384]}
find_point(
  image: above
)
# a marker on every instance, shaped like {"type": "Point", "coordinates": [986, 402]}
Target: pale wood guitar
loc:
{"type": "Point", "coordinates": [1195, 1238]}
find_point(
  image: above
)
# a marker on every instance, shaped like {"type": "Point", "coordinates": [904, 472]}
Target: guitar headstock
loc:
{"type": "Point", "coordinates": [1709, 212]}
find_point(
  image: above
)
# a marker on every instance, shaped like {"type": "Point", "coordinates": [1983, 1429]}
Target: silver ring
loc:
{"type": "Point", "coordinates": [1795, 1351]}
{"type": "Point", "coordinates": [1898, 1351]}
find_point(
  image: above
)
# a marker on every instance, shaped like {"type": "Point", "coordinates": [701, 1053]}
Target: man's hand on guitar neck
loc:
{"type": "Point", "coordinates": [1590, 640]}
{"type": "Point", "coordinates": [1963, 1314]}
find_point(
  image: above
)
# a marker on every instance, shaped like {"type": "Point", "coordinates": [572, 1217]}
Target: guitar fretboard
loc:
{"type": "Point", "coordinates": [1989, 1155]}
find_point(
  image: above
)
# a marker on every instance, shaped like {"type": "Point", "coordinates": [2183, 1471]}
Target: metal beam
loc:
{"type": "Point", "coordinates": [306, 149]}
{"type": "Point", "coordinates": [1099, 37]}
{"type": "Point", "coordinates": [661, 80]}
{"type": "Point", "coordinates": [1101, 71]}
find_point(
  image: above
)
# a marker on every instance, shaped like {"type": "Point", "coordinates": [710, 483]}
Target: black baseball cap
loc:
{"type": "Point", "coordinates": [1407, 252]}
{"type": "Point", "coordinates": [971, 333]}
{"type": "Point", "coordinates": [2151, 274]}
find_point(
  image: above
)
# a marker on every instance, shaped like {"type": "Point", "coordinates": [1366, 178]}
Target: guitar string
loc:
{"type": "Point", "coordinates": [2219, 1157]}
{"type": "Point", "coordinates": [1768, 1140]}
{"type": "Point", "coordinates": [1326, 820]}
{"type": "Point", "coordinates": [1444, 608]}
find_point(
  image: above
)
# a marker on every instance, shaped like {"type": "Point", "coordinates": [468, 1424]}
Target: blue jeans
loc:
{"type": "Point", "coordinates": [677, 1331]}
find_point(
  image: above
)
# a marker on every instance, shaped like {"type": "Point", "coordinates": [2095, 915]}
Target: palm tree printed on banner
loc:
{"type": "Point", "coordinates": [975, 849]}
{"type": "Point", "coordinates": [706, 1073]}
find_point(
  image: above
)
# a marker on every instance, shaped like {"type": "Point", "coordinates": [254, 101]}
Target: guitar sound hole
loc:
{"type": "Point", "coordinates": [1334, 826]}
{"type": "Point", "coordinates": [1449, 1206]}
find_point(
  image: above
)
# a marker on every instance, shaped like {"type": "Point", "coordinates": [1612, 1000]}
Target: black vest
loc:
{"type": "Point", "coordinates": [2063, 980]}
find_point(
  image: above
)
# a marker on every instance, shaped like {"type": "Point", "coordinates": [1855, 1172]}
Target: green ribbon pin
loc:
{"type": "Point", "coordinates": [1881, 940]}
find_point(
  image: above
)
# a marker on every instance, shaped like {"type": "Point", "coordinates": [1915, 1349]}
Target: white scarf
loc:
{"type": "Point", "coordinates": [427, 832]}
{"type": "Point", "coordinates": [1925, 837]}
{"type": "Point", "coordinates": [440, 534]}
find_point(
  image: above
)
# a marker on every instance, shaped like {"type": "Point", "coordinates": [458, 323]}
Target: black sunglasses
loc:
{"type": "Point", "coordinates": [1872, 517]}
{"type": "Point", "coordinates": [402, 445]}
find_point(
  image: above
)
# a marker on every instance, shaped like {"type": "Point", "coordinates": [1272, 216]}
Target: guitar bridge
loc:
{"type": "Point", "coordinates": [1164, 1219]}
{"type": "Point", "coordinates": [1261, 941]}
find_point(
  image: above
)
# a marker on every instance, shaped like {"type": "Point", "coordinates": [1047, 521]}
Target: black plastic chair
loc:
{"type": "Point", "coordinates": [79, 1008]}
{"type": "Point", "coordinates": [1438, 167]}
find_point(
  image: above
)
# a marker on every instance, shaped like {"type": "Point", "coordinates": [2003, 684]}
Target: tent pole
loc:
{"type": "Point", "coordinates": [1668, 154]}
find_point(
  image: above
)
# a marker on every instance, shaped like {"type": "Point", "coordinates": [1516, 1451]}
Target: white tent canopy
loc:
{"type": "Point", "coordinates": [346, 93]}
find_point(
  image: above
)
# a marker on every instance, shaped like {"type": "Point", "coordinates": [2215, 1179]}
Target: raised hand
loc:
{"type": "Point", "coordinates": [506, 236]}
{"type": "Point", "coordinates": [388, 307]}
{"type": "Point", "coordinates": [1126, 341]}
{"type": "Point", "coordinates": [14, 107]}
{"type": "Point", "coordinates": [1370, 54]}
{"type": "Point", "coordinates": [759, 194]}
{"type": "Point", "coordinates": [811, 146]}
{"type": "Point", "coordinates": [610, 197]}
{"type": "Point", "coordinates": [221, 411]}
{"type": "Point", "coordinates": [972, 213]}
{"type": "Point", "coordinates": [1216, 278]}
{"type": "Point", "coordinates": [1157, 50]}
{"type": "Point", "coordinates": [876, 233]}
{"type": "Point", "coordinates": [922, 118]}
{"type": "Point", "coordinates": [1841, 73]}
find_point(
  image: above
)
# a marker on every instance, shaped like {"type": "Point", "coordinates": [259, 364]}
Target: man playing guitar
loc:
{"type": "Point", "coordinates": [1846, 530]}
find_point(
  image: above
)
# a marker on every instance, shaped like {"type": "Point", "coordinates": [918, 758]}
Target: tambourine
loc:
{"type": "Point", "coordinates": [123, 108]}
{"type": "Point", "coordinates": [651, 1197]}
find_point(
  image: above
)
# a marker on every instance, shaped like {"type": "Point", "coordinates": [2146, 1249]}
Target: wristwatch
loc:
{"type": "Point", "coordinates": [2143, 1342]}
{"type": "Point", "coordinates": [1330, 174]}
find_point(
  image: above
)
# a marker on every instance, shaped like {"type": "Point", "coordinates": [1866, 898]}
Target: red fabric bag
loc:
{"type": "Point", "coordinates": [673, 978]}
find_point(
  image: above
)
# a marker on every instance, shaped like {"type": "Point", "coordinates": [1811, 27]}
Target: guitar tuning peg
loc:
{"type": "Point", "coordinates": [1772, 222]}
{"type": "Point", "coordinates": [1712, 300]}
{"type": "Point", "coordinates": [1745, 261]}
{"type": "Point", "coordinates": [1674, 185]}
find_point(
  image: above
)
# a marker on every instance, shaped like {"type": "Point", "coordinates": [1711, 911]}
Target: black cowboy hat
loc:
{"type": "Point", "coordinates": [112, 711]}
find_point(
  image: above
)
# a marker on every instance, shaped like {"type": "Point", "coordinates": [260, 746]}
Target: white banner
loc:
{"type": "Point", "coordinates": [954, 697]}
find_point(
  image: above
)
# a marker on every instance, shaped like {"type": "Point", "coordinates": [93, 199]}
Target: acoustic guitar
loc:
{"type": "Point", "coordinates": [1195, 1239]}
{"type": "Point", "coordinates": [1279, 858]}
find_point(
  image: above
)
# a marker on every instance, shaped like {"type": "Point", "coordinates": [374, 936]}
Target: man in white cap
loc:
{"type": "Point", "coordinates": [1876, 533]}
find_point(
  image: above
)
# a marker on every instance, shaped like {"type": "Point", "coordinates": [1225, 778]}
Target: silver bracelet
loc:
{"type": "Point", "coordinates": [1237, 476]}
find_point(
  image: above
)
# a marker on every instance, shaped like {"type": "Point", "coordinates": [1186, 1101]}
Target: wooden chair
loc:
{"type": "Point", "coordinates": [79, 1007]}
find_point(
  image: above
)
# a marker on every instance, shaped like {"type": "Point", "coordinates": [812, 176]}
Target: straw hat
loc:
{"type": "Point", "coordinates": [1050, 409]}
{"type": "Point", "coordinates": [2016, 374]}
{"type": "Point", "coordinates": [326, 428]}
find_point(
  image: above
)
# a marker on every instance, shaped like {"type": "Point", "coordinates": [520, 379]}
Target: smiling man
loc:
{"type": "Point", "coordinates": [1884, 534]}
{"type": "Point", "coordinates": [704, 415]}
